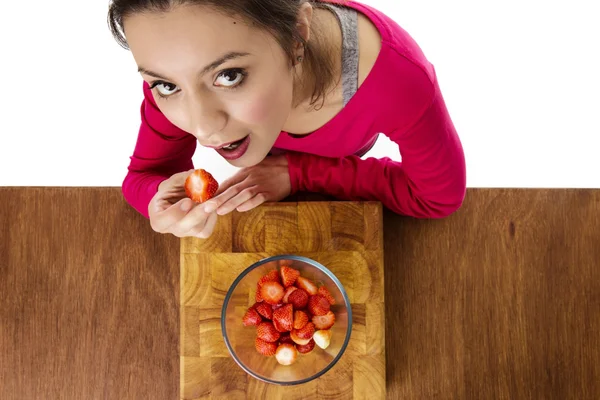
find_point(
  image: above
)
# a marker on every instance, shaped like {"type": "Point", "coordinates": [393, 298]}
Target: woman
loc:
{"type": "Point", "coordinates": [292, 91]}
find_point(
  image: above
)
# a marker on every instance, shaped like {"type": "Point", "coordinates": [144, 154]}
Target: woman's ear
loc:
{"type": "Point", "coordinates": [304, 21]}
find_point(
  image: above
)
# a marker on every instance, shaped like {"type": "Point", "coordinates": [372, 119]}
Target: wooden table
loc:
{"type": "Point", "coordinates": [500, 300]}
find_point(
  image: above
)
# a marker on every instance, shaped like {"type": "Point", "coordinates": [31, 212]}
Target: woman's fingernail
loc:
{"type": "Point", "coordinates": [209, 207]}
{"type": "Point", "coordinates": [185, 206]}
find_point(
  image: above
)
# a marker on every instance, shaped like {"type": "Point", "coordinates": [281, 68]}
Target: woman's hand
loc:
{"type": "Point", "coordinates": [250, 187]}
{"type": "Point", "coordinates": [171, 211]}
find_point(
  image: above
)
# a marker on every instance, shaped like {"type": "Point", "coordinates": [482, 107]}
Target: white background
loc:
{"type": "Point", "coordinates": [521, 80]}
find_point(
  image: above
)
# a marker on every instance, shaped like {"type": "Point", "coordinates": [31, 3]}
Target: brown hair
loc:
{"type": "Point", "coordinates": [278, 17]}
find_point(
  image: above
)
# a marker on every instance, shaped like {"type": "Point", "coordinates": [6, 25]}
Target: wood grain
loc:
{"type": "Point", "coordinates": [89, 298]}
{"type": "Point", "coordinates": [500, 300]}
{"type": "Point", "coordinates": [333, 234]}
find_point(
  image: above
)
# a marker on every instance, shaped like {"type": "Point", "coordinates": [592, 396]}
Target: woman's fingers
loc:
{"type": "Point", "coordinates": [196, 217]}
{"type": "Point", "coordinates": [234, 180]}
{"type": "Point", "coordinates": [203, 231]}
{"type": "Point", "coordinates": [240, 198]}
{"type": "Point", "coordinates": [162, 220]}
{"type": "Point", "coordinates": [218, 201]}
{"type": "Point", "coordinates": [252, 203]}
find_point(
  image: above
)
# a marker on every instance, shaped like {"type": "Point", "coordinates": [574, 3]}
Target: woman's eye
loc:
{"type": "Point", "coordinates": [230, 78]}
{"type": "Point", "coordinates": [165, 89]}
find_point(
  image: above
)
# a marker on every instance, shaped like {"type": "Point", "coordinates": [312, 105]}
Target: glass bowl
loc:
{"type": "Point", "coordinates": [240, 339]}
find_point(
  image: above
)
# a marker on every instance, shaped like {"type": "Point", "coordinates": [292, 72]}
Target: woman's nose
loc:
{"type": "Point", "coordinates": [207, 117]}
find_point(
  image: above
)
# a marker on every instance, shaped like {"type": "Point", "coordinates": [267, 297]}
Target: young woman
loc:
{"type": "Point", "coordinates": [293, 92]}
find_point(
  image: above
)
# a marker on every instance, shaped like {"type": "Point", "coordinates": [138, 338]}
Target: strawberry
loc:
{"type": "Point", "coordinates": [322, 338]}
{"type": "Point", "coordinates": [324, 321]}
{"type": "Point", "coordinates": [285, 338]}
{"type": "Point", "coordinates": [307, 348]}
{"type": "Point", "coordinates": [318, 305]}
{"type": "Point", "coordinates": [325, 293]}
{"type": "Point", "coordinates": [265, 348]}
{"type": "Point", "coordinates": [276, 306]}
{"type": "Point", "coordinates": [287, 293]}
{"type": "Point", "coordinates": [284, 317]}
{"type": "Point", "coordinates": [300, 319]}
{"type": "Point", "coordinates": [288, 275]}
{"type": "Point", "coordinates": [251, 317]}
{"type": "Point", "coordinates": [272, 276]}
{"type": "Point", "coordinates": [258, 298]}
{"type": "Point", "coordinates": [267, 332]}
{"type": "Point", "coordinates": [278, 327]}
{"type": "Point", "coordinates": [306, 332]}
{"type": "Point", "coordinates": [286, 354]}
{"type": "Point", "coordinates": [200, 186]}
{"type": "Point", "coordinates": [297, 340]}
{"type": "Point", "coordinates": [264, 310]}
{"type": "Point", "coordinates": [298, 298]}
{"type": "Point", "coordinates": [271, 292]}
{"type": "Point", "coordinates": [306, 284]}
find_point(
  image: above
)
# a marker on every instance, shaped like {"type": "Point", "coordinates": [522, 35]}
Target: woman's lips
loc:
{"type": "Point", "coordinates": [237, 152]}
{"type": "Point", "coordinates": [221, 145]}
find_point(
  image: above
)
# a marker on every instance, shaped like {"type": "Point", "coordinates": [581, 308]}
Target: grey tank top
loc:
{"type": "Point", "coordinates": [348, 19]}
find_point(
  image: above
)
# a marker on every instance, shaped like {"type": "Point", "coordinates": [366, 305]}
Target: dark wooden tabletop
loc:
{"type": "Point", "coordinates": [499, 301]}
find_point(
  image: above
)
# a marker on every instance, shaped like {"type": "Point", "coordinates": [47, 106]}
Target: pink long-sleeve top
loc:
{"type": "Point", "coordinates": [400, 98]}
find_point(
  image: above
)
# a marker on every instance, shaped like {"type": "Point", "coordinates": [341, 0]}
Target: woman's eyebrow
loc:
{"type": "Point", "coordinates": [213, 65]}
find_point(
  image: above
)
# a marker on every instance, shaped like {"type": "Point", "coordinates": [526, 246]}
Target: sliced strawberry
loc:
{"type": "Point", "coordinates": [257, 297]}
{"type": "Point", "coordinates": [322, 338]}
{"type": "Point", "coordinates": [264, 310]}
{"type": "Point", "coordinates": [284, 317]}
{"type": "Point", "coordinates": [298, 298]}
{"type": "Point", "coordinates": [272, 276]}
{"type": "Point", "coordinates": [287, 293]}
{"type": "Point", "coordinates": [307, 348]}
{"type": "Point", "coordinates": [306, 284]}
{"type": "Point", "coordinates": [300, 319]}
{"type": "Point", "coordinates": [318, 305]}
{"type": "Point", "coordinates": [271, 292]}
{"type": "Point", "coordinates": [306, 332]}
{"type": "Point", "coordinates": [288, 275]}
{"type": "Point", "coordinates": [324, 321]}
{"type": "Point", "coordinates": [286, 354]}
{"type": "Point", "coordinates": [200, 186]}
{"type": "Point", "coordinates": [276, 306]}
{"type": "Point", "coordinates": [278, 327]}
{"type": "Point", "coordinates": [325, 293]}
{"type": "Point", "coordinates": [265, 348]}
{"type": "Point", "coordinates": [251, 318]}
{"type": "Point", "coordinates": [285, 338]}
{"type": "Point", "coordinates": [297, 340]}
{"type": "Point", "coordinates": [267, 332]}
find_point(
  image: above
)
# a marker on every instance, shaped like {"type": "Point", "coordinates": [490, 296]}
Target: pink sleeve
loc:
{"type": "Point", "coordinates": [161, 150]}
{"type": "Point", "coordinates": [430, 182]}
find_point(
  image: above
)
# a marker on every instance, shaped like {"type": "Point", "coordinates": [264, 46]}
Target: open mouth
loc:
{"type": "Point", "coordinates": [235, 150]}
{"type": "Point", "coordinates": [234, 145]}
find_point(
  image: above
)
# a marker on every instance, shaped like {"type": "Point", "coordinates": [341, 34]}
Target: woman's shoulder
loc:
{"type": "Point", "coordinates": [390, 34]}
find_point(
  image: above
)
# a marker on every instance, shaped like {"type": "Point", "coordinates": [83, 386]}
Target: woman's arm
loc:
{"type": "Point", "coordinates": [161, 150]}
{"type": "Point", "coordinates": [430, 182]}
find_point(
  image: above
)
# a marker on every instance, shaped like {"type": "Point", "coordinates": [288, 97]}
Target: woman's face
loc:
{"type": "Point", "coordinates": [214, 77]}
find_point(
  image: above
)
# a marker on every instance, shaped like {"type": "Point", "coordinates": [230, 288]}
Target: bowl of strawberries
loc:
{"type": "Point", "coordinates": [286, 320]}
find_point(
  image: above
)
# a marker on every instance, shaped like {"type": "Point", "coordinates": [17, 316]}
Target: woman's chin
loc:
{"type": "Point", "coordinates": [249, 159]}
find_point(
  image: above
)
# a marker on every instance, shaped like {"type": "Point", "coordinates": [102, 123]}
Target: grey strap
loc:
{"type": "Point", "coordinates": [348, 19]}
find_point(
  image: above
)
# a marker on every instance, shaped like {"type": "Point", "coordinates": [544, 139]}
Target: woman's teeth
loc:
{"type": "Point", "coordinates": [234, 145]}
{"type": "Point", "coordinates": [231, 146]}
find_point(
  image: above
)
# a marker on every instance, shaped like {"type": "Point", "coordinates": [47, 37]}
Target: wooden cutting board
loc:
{"type": "Point", "coordinates": [346, 237]}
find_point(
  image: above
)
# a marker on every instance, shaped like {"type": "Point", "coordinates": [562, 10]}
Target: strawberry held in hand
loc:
{"type": "Point", "coordinates": [292, 315]}
{"type": "Point", "coordinates": [200, 186]}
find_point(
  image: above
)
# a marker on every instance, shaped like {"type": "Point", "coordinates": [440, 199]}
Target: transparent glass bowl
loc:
{"type": "Point", "coordinates": [240, 340]}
